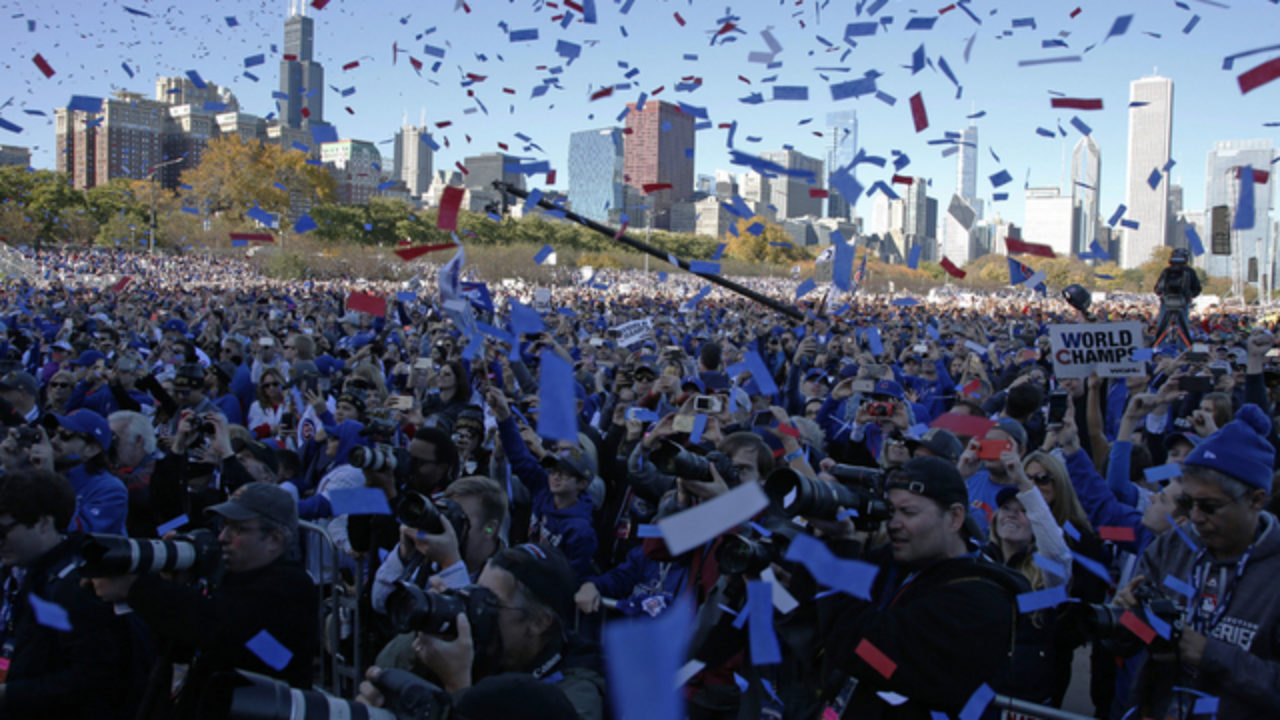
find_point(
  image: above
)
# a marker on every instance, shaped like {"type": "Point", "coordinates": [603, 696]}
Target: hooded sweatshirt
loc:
{"type": "Point", "coordinates": [1241, 663]}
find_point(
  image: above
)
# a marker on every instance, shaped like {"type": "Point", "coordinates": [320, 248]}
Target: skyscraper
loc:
{"type": "Point", "coordinates": [125, 139]}
{"type": "Point", "coordinates": [842, 148]}
{"type": "Point", "coordinates": [352, 164]}
{"type": "Point", "coordinates": [790, 193]}
{"type": "Point", "coordinates": [595, 173]}
{"type": "Point", "coordinates": [1049, 219]}
{"type": "Point", "coordinates": [1222, 189]}
{"type": "Point", "coordinates": [301, 77]}
{"type": "Point", "coordinates": [660, 150]}
{"type": "Point", "coordinates": [1086, 179]}
{"type": "Point", "coordinates": [412, 156]}
{"type": "Point", "coordinates": [967, 166]}
{"type": "Point", "coordinates": [957, 243]}
{"type": "Point", "coordinates": [1150, 137]}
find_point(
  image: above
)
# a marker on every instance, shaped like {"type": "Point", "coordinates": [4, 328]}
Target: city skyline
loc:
{"type": "Point", "coordinates": [214, 49]}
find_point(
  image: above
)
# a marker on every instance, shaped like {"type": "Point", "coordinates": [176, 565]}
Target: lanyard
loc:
{"type": "Point", "coordinates": [1201, 575]}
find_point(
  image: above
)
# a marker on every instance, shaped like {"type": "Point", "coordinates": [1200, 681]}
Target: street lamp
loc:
{"type": "Point", "coordinates": [151, 234]}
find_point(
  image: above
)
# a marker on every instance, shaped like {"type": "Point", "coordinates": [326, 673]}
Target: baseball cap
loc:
{"type": "Point", "coordinates": [942, 443]}
{"type": "Point", "coordinates": [19, 380]}
{"type": "Point", "coordinates": [189, 375]}
{"type": "Point", "coordinates": [1005, 495]}
{"type": "Point", "coordinates": [1014, 429]}
{"type": "Point", "coordinates": [259, 500]}
{"type": "Point", "coordinates": [85, 422]}
{"type": "Point", "coordinates": [545, 572]}
{"type": "Point", "coordinates": [1189, 437]}
{"type": "Point", "coordinates": [573, 461]}
{"type": "Point", "coordinates": [515, 696]}
{"type": "Point", "coordinates": [264, 453]}
{"type": "Point", "coordinates": [931, 477]}
{"type": "Point", "coordinates": [88, 357]}
{"type": "Point", "coordinates": [174, 325]}
{"type": "Point", "coordinates": [889, 388]}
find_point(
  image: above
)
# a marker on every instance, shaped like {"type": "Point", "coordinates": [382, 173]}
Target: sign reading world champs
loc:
{"type": "Point", "coordinates": [1106, 348]}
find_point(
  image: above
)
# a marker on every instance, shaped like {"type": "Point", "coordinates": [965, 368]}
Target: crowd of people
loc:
{"type": "Point", "coordinates": [947, 520]}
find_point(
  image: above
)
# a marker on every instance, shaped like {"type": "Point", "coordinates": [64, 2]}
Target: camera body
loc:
{"type": "Point", "coordinates": [412, 609]}
{"type": "Point", "coordinates": [422, 513]}
{"type": "Point", "coordinates": [880, 409]}
{"type": "Point", "coordinates": [1103, 622]}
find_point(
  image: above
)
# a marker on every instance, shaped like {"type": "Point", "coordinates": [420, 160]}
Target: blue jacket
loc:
{"type": "Point", "coordinates": [1101, 504]}
{"type": "Point", "coordinates": [639, 575]}
{"type": "Point", "coordinates": [102, 502]}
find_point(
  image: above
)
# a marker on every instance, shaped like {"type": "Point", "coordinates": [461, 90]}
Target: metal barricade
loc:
{"type": "Point", "coordinates": [1015, 709]}
{"type": "Point", "coordinates": [338, 672]}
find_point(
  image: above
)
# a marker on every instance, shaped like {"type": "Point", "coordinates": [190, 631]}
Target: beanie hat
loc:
{"type": "Point", "coordinates": [1240, 449]}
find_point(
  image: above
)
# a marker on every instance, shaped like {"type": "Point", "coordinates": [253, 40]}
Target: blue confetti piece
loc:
{"type": "Point", "coordinates": [543, 254]}
{"type": "Point", "coordinates": [304, 224]}
{"type": "Point", "coordinates": [853, 88]}
{"type": "Point", "coordinates": [790, 92]}
{"type": "Point", "coordinates": [438, 52]}
{"type": "Point", "coordinates": [197, 80]}
{"type": "Point", "coordinates": [1071, 530]}
{"type": "Point", "coordinates": [1161, 473]}
{"type": "Point", "coordinates": [1195, 20]}
{"type": "Point", "coordinates": [231, 21]}
{"type": "Point", "coordinates": [1193, 240]}
{"type": "Point", "coordinates": [1139, 354]}
{"type": "Point", "coordinates": [1131, 224]}
{"type": "Point", "coordinates": [1179, 586]}
{"type": "Point", "coordinates": [1050, 566]}
{"type": "Point", "coordinates": [85, 103]}
{"type": "Point", "coordinates": [1080, 125]}
{"type": "Point", "coordinates": [1001, 178]}
{"type": "Point", "coordinates": [1153, 180]}
{"type": "Point", "coordinates": [1024, 22]}
{"type": "Point", "coordinates": [1115, 217]}
{"type": "Point", "coordinates": [1204, 705]}
{"type": "Point", "coordinates": [852, 577]}
{"type": "Point", "coordinates": [699, 427]}
{"type": "Point", "coordinates": [1245, 215]}
{"type": "Point", "coordinates": [50, 614]}
{"type": "Point", "coordinates": [1119, 27]}
{"type": "Point", "coordinates": [805, 288]}
{"type": "Point", "coordinates": [1093, 566]}
{"type": "Point", "coordinates": [128, 71]}
{"type": "Point", "coordinates": [253, 60]}
{"type": "Point", "coordinates": [269, 650]}
{"type": "Point", "coordinates": [648, 531]}
{"type": "Point", "coordinates": [913, 260]}
{"type": "Point", "coordinates": [862, 29]}
{"type": "Point", "coordinates": [359, 501]}
{"type": "Point", "coordinates": [1045, 133]}
{"type": "Point", "coordinates": [921, 23]}
{"type": "Point", "coordinates": [978, 703]}
{"type": "Point", "coordinates": [762, 639]}
{"type": "Point", "coordinates": [557, 416]}
{"type": "Point", "coordinates": [1041, 599]}
{"type": "Point", "coordinates": [874, 343]}
{"type": "Point", "coordinates": [523, 35]}
{"type": "Point", "coordinates": [10, 126]}
{"type": "Point", "coordinates": [703, 267]}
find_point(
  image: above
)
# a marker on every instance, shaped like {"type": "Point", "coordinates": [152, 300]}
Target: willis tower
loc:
{"type": "Point", "coordinates": [301, 77]}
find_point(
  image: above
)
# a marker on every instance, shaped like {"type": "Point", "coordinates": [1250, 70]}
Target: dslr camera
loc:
{"type": "Point", "coordinates": [412, 609]}
{"type": "Point", "coordinates": [880, 409]}
{"type": "Point", "coordinates": [859, 490]}
{"type": "Point", "coordinates": [1103, 622]}
{"type": "Point", "coordinates": [673, 459]}
{"type": "Point", "coordinates": [112, 555]}
{"type": "Point", "coordinates": [242, 695]}
{"type": "Point", "coordinates": [422, 513]}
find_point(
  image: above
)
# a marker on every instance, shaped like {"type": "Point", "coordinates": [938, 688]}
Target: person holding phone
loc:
{"type": "Point", "coordinates": [985, 475]}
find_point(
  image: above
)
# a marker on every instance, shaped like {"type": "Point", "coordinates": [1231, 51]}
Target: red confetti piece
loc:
{"type": "Point", "coordinates": [408, 254]}
{"type": "Point", "coordinates": [461, 167]}
{"type": "Point", "coordinates": [551, 178]}
{"type": "Point", "coordinates": [319, 4]}
{"type": "Point", "coordinates": [43, 64]}
{"type": "Point", "coordinates": [918, 115]}
{"type": "Point", "coordinates": [573, 5]}
{"type": "Point", "coordinates": [255, 237]}
{"type": "Point", "coordinates": [971, 386]}
{"type": "Point", "coordinates": [876, 659]}
{"type": "Point", "coordinates": [951, 268]}
{"type": "Point", "coordinates": [1016, 246]}
{"type": "Point", "coordinates": [349, 110]}
{"type": "Point", "coordinates": [903, 180]}
{"type": "Point", "coordinates": [375, 305]}
{"type": "Point", "coordinates": [119, 286]}
{"type": "Point", "coordinates": [655, 187]}
{"type": "Point", "coordinates": [1077, 103]}
{"type": "Point", "coordinates": [450, 202]}
{"type": "Point", "coordinates": [1259, 176]}
{"type": "Point", "coordinates": [306, 112]}
{"type": "Point", "coordinates": [1250, 79]}
{"type": "Point", "coordinates": [415, 62]}
{"type": "Point", "coordinates": [1116, 534]}
{"type": "Point", "coordinates": [503, 146]}
{"type": "Point", "coordinates": [660, 89]}
{"type": "Point", "coordinates": [727, 27]}
{"type": "Point", "coordinates": [817, 193]}
{"type": "Point", "coordinates": [602, 93]}
{"type": "Point", "coordinates": [1137, 627]}
{"type": "Point", "coordinates": [1074, 13]}
{"type": "Point", "coordinates": [290, 57]}
{"type": "Point", "coordinates": [509, 91]}
{"type": "Point", "coordinates": [679, 19]}
{"type": "Point", "coordinates": [477, 78]}
{"type": "Point", "coordinates": [744, 80]}
{"type": "Point", "coordinates": [466, 8]}
{"type": "Point", "coordinates": [789, 431]}
{"type": "Point", "coordinates": [444, 124]}
{"type": "Point", "coordinates": [351, 65]}
{"type": "Point", "coordinates": [947, 9]}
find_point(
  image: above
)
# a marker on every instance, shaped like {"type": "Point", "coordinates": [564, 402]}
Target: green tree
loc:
{"type": "Point", "coordinates": [234, 174]}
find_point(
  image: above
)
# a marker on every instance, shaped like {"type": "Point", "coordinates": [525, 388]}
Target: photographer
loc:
{"type": "Point", "coordinates": [945, 616]}
{"type": "Point", "coordinates": [1177, 287]}
{"type": "Point", "coordinates": [200, 470]}
{"type": "Point", "coordinates": [532, 588]}
{"type": "Point", "coordinates": [76, 671]}
{"type": "Point", "coordinates": [1226, 645]}
{"type": "Point", "coordinates": [261, 591]}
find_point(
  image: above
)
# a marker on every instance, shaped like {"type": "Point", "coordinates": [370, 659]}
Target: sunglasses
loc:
{"type": "Point", "coordinates": [1042, 479]}
{"type": "Point", "coordinates": [270, 384]}
{"type": "Point", "coordinates": [68, 436]}
{"type": "Point", "coordinates": [59, 384]}
{"type": "Point", "coordinates": [1208, 507]}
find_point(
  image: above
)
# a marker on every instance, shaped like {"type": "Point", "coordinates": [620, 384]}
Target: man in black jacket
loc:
{"type": "Point", "coordinates": [64, 651]}
{"type": "Point", "coordinates": [261, 617]}
{"type": "Point", "coordinates": [941, 617]}
{"type": "Point", "coordinates": [1177, 287]}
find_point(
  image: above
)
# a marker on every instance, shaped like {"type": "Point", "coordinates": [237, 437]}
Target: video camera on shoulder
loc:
{"type": "Point", "coordinates": [859, 490]}
{"type": "Point", "coordinates": [113, 555]}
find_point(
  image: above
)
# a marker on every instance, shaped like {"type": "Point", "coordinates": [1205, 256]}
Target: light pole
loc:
{"type": "Point", "coordinates": [151, 233]}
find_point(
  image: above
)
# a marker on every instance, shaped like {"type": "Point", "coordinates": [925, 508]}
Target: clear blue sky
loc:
{"type": "Point", "coordinates": [86, 43]}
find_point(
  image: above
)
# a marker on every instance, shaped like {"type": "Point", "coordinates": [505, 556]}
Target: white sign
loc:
{"type": "Point", "coordinates": [1107, 348]}
{"type": "Point", "coordinates": [634, 332]}
{"type": "Point", "coordinates": [542, 300]}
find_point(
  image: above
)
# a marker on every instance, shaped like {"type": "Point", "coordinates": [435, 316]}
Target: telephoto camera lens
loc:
{"type": "Point", "coordinates": [672, 459]}
{"type": "Point", "coordinates": [242, 695]}
{"type": "Point", "coordinates": [378, 458]}
{"type": "Point", "coordinates": [111, 555]}
{"type": "Point", "coordinates": [413, 610]}
{"type": "Point", "coordinates": [794, 494]}
{"type": "Point", "coordinates": [744, 555]}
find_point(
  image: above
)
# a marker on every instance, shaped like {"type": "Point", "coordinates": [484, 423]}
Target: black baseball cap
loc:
{"type": "Point", "coordinates": [931, 477]}
{"type": "Point", "coordinates": [260, 500]}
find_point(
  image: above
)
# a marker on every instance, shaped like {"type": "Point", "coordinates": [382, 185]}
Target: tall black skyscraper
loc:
{"type": "Point", "coordinates": [301, 77]}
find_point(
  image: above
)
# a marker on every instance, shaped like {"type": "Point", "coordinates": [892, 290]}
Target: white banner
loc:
{"type": "Point", "coordinates": [1080, 349]}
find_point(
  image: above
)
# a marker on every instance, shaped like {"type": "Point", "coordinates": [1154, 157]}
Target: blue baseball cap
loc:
{"type": "Point", "coordinates": [890, 388]}
{"type": "Point", "coordinates": [85, 422]}
{"type": "Point", "coordinates": [88, 357]}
